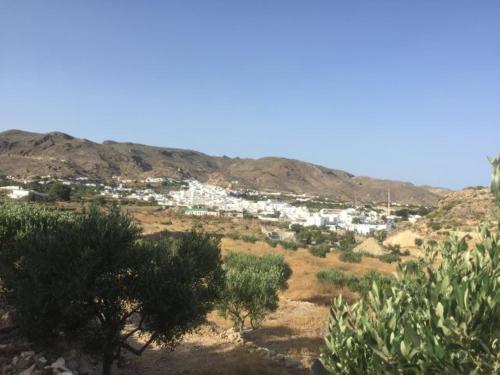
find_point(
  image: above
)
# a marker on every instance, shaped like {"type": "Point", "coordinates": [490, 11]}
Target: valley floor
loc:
{"type": "Point", "coordinates": [295, 330]}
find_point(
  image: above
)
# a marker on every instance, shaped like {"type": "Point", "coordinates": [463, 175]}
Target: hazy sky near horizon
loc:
{"type": "Point", "coordinates": [398, 89]}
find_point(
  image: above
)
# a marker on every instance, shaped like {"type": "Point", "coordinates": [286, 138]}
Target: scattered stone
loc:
{"type": "Point", "coordinates": [41, 361]}
{"type": "Point", "coordinates": [59, 363]}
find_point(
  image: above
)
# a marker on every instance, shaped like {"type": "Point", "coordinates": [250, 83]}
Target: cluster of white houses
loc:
{"type": "Point", "coordinates": [202, 199]}
{"type": "Point", "coordinates": [205, 199]}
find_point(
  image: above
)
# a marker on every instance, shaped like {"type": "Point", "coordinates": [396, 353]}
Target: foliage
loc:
{"type": "Point", "coordinates": [418, 242]}
{"type": "Point", "coordinates": [394, 248]}
{"type": "Point", "coordinates": [232, 235]}
{"type": "Point", "coordinates": [252, 286]}
{"type": "Point", "coordinates": [380, 235]}
{"type": "Point", "coordinates": [288, 245]}
{"type": "Point", "coordinates": [319, 251]}
{"type": "Point", "coordinates": [337, 278]}
{"type": "Point", "coordinates": [91, 273]}
{"type": "Point", "coordinates": [495, 177]}
{"type": "Point", "coordinates": [272, 243]}
{"type": "Point", "coordinates": [390, 257]}
{"type": "Point", "coordinates": [249, 238]}
{"type": "Point", "coordinates": [435, 226]}
{"type": "Point", "coordinates": [60, 192]}
{"type": "Point", "coordinates": [433, 319]}
{"type": "Point", "coordinates": [347, 242]}
{"type": "Point", "coordinates": [350, 257]}
{"type": "Point", "coordinates": [314, 235]}
{"type": "Point", "coordinates": [361, 285]}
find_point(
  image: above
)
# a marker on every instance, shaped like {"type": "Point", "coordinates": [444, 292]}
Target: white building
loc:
{"type": "Point", "coordinates": [15, 192]}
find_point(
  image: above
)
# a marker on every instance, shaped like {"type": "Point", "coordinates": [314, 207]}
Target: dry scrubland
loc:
{"type": "Point", "coordinates": [296, 329]}
{"type": "Point", "coordinates": [298, 326]}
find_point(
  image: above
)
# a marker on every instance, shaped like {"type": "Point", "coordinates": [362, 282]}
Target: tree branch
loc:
{"type": "Point", "coordinates": [135, 351]}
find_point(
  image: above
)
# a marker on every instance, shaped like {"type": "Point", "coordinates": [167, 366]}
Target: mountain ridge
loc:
{"type": "Point", "coordinates": [26, 154]}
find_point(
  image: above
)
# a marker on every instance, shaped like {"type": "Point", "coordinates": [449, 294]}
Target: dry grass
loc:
{"type": "Point", "coordinates": [298, 326]}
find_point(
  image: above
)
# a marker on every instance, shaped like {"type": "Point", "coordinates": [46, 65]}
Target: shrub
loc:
{"type": "Point", "coordinates": [418, 242]}
{"type": "Point", "coordinates": [271, 242]}
{"type": "Point", "coordinates": [389, 258]}
{"type": "Point", "coordinates": [350, 257]}
{"type": "Point", "coordinates": [319, 251]}
{"type": "Point", "coordinates": [288, 245]}
{"type": "Point", "coordinates": [337, 278]}
{"type": "Point", "coordinates": [435, 226]}
{"type": "Point", "coordinates": [395, 249]}
{"type": "Point", "coordinates": [251, 287]}
{"type": "Point", "coordinates": [369, 278]}
{"type": "Point", "coordinates": [347, 242]}
{"type": "Point", "coordinates": [60, 192]}
{"type": "Point", "coordinates": [440, 319]}
{"type": "Point", "coordinates": [91, 275]}
{"type": "Point", "coordinates": [232, 235]}
{"type": "Point", "coordinates": [249, 238]}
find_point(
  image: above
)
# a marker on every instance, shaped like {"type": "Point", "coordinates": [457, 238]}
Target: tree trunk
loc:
{"type": "Point", "coordinates": [107, 363]}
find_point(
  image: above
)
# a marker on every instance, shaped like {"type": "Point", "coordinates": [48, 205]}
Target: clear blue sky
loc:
{"type": "Point", "coordinates": [400, 89]}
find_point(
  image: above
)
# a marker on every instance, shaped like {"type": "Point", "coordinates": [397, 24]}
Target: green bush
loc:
{"type": "Point", "coordinates": [232, 235]}
{"type": "Point", "coordinates": [249, 238]}
{"type": "Point", "coordinates": [389, 258]}
{"type": "Point", "coordinates": [337, 278]}
{"type": "Point", "coordinates": [319, 251]}
{"type": "Point", "coordinates": [90, 275]}
{"type": "Point", "coordinates": [436, 319]}
{"type": "Point", "coordinates": [350, 257]}
{"type": "Point", "coordinates": [436, 226]}
{"type": "Point", "coordinates": [271, 243]}
{"type": "Point", "coordinates": [361, 285]}
{"type": "Point", "coordinates": [395, 249]}
{"type": "Point", "coordinates": [60, 192]}
{"type": "Point", "coordinates": [288, 245]}
{"type": "Point", "coordinates": [418, 242]}
{"type": "Point", "coordinates": [252, 286]}
{"type": "Point", "coordinates": [366, 282]}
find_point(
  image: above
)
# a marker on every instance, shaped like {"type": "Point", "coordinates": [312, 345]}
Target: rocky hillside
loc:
{"type": "Point", "coordinates": [461, 210]}
{"type": "Point", "coordinates": [25, 154]}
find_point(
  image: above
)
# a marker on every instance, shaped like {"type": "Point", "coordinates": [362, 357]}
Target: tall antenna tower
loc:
{"type": "Point", "coordinates": [388, 201]}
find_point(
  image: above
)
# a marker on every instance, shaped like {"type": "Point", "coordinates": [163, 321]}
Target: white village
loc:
{"type": "Point", "coordinates": [204, 199]}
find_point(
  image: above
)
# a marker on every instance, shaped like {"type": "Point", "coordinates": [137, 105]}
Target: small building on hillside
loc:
{"type": "Point", "coordinates": [201, 212]}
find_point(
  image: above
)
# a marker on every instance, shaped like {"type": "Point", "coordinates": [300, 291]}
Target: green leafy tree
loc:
{"type": "Point", "coordinates": [60, 192]}
{"type": "Point", "coordinates": [252, 286]}
{"type": "Point", "coordinates": [93, 275]}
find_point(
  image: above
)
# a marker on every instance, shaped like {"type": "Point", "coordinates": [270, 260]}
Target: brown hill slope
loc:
{"type": "Point", "coordinates": [26, 154]}
{"type": "Point", "coordinates": [461, 210]}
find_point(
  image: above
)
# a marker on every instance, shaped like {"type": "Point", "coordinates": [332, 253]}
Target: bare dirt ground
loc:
{"type": "Point", "coordinates": [296, 329]}
{"type": "Point", "coordinates": [202, 353]}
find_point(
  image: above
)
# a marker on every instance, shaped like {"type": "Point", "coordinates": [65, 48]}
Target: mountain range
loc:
{"type": "Point", "coordinates": [26, 154]}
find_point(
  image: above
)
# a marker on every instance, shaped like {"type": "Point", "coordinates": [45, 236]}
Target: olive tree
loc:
{"type": "Point", "coordinates": [92, 274]}
{"type": "Point", "coordinates": [60, 192]}
{"type": "Point", "coordinates": [251, 287]}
